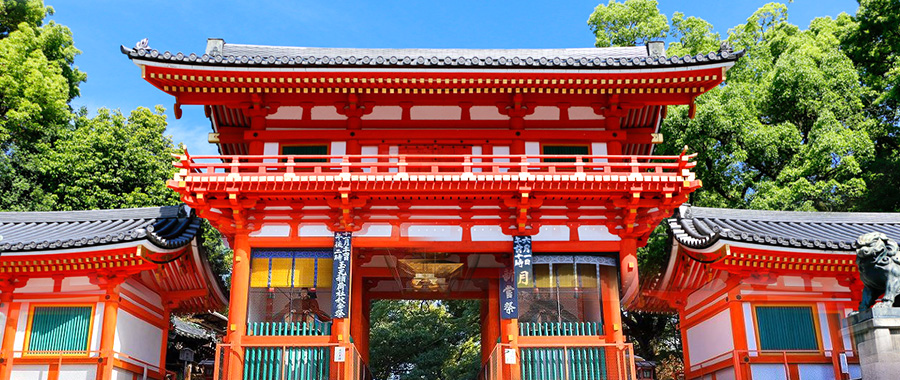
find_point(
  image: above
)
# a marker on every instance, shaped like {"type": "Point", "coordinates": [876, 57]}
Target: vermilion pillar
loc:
{"type": "Point", "coordinates": [237, 310]}
{"type": "Point", "coordinates": [108, 333]}
{"type": "Point", "coordinates": [490, 320]}
{"type": "Point", "coordinates": [9, 333]}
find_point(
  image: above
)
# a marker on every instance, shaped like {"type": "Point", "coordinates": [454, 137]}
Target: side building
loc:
{"type": "Point", "coordinates": [764, 294]}
{"type": "Point", "coordinates": [88, 295]}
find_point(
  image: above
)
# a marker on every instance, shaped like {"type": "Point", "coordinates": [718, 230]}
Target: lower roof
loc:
{"type": "Point", "coordinates": [167, 227]}
{"type": "Point", "coordinates": [704, 227]}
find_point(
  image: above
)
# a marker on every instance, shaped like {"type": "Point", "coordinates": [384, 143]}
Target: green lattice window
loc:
{"type": "Point", "coordinates": [306, 150]}
{"type": "Point", "coordinates": [786, 328]}
{"type": "Point", "coordinates": [568, 150]}
{"type": "Point", "coordinates": [63, 329]}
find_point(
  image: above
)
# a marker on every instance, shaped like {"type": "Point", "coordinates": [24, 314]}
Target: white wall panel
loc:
{"type": "Point", "coordinates": [37, 285]}
{"type": "Point", "coordinates": [30, 372]}
{"type": "Point", "coordinates": [78, 372]}
{"type": "Point", "coordinates": [768, 371]}
{"type": "Point", "coordinates": [20, 328]}
{"type": "Point", "coordinates": [552, 233]}
{"type": "Point", "coordinates": [725, 374]}
{"type": "Point", "coordinates": [489, 233]}
{"type": "Point", "coordinates": [710, 338]}
{"type": "Point", "coordinates": [596, 233]}
{"type": "Point", "coordinates": [137, 338]}
{"type": "Point", "coordinates": [815, 371]}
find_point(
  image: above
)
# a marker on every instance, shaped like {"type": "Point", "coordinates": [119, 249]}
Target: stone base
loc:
{"type": "Point", "coordinates": [877, 334]}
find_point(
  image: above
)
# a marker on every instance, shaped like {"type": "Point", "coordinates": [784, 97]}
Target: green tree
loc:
{"type": "Point", "coordinates": [425, 339]}
{"type": "Point", "coordinates": [631, 23]}
{"type": "Point", "coordinates": [789, 130]}
{"type": "Point", "coordinates": [109, 161]}
{"type": "Point", "coordinates": [53, 159]}
{"type": "Point", "coordinates": [872, 40]}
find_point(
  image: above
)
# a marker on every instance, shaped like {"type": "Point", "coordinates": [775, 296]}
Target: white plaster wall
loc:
{"type": "Point", "coordinates": [599, 149]}
{"type": "Point", "coordinates": [326, 113]}
{"type": "Point", "coordinates": [533, 148]}
{"type": "Point", "coordinates": [97, 326]}
{"type": "Point", "coordinates": [710, 338]}
{"type": "Point", "coordinates": [374, 230]}
{"type": "Point", "coordinates": [552, 233]}
{"type": "Point", "coordinates": [78, 284]}
{"type": "Point", "coordinates": [338, 148]}
{"type": "Point", "coordinates": [4, 310]}
{"type": "Point", "coordinates": [501, 151]}
{"type": "Point", "coordinates": [385, 113]}
{"type": "Point", "coordinates": [142, 291]}
{"type": "Point", "coordinates": [137, 338]}
{"type": "Point", "coordinates": [434, 232]}
{"type": "Point", "coordinates": [435, 113]}
{"type": "Point", "coordinates": [768, 371]}
{"type": "Point", "coordinates": [78, 372]}
{"type": "Point", "coordinates": [37, 285]}
{"type": "Point", "coordinates": [544, 113]}
{"type": "Point", "coordinates": [287, 113]}
{"type": "Point", "coordinates": [19, 344]}
{"type": "Point", "coordinates": [368, 150]}
{"type": "Point", "coordinates": [121, 374]}
{"type": "Point", "coordinates": [314, 230]}
{"type": "Point", "coordinates": [272, 230]}
{"type": "Point", "coordinates": [700, 295]}
{"type": "Point", "coordinates": [583, 113]}
{"type": "Point", "coordinates": [749, 330]}
{"type": "Point", "coordinates": [485, 113]}
{"type": "Point", "coordinates": [596, 233]}
{"type": "Point", "coordinates": [489, 233]}
{"type": "Point", "coordinates": [30, 372]}
{"type": "Point", "coordinates": [725, 374]}
{"type": "Point", "coordinates": [815, 371]}
{"type": "Point", "coordinates": [824, 327]}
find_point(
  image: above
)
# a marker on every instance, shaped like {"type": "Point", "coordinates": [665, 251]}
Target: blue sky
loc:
{"type": "Point", "coordinates": [99, 27]}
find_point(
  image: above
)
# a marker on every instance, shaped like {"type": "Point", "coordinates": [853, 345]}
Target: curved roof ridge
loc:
{"type": "Point", "coordinates": [795, 216]}
{"type": "Point", "coordinates": [90, 215]}
{"type": "Point", "coordinates": [167, 227]}
{"type": "Point", "coordinates": [219, 53]}
{"type": "Point", "coordinates": [704, 227]}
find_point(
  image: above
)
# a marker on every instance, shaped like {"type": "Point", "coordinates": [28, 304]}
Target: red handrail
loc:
{"type": "Point", "coordinates": [333, 165]}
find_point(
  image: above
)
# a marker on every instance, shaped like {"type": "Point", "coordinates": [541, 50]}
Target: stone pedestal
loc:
{"type": "Point", "coordinates": [877, 334]}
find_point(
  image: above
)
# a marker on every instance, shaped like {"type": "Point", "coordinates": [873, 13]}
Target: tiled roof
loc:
{"type": "Point", "coordinates": [701, 227]}
{"type": "Point", "coordinates": [279, 56]}
{"type": "Point", "coordinates": [166, 227]}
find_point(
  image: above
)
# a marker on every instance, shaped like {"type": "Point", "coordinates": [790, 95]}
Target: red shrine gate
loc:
{"type": "Point", "coordinates": [522, 178]}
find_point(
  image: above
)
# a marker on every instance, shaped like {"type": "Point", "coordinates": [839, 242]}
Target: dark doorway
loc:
{"type": "Point", "coordinates": [425, 339]}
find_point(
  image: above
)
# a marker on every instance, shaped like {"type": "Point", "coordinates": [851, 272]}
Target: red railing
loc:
{"type": "Point", "coordinates": [548, 361]}
{"type": "Point", "coordinates": [78, 356]}
{"type": "Point", "coordinates": [307, 361]}
{"type": "Point", "coordinates": [664, 167]}
{"type": "Point", "coordinates": [740, 362]}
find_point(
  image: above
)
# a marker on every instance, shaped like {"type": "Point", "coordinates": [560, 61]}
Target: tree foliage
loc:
{"type": "Point", "coordinates": [425, 339]}
{"type": "Point", "coordinates": [633, 22]}
{"type": "Point", "coordinates": [807, 119]}
{"type": "Point", "coordinates": [54, 159]}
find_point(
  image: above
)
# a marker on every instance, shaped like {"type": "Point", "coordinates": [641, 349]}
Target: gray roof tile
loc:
{"type": "Point", "coordinates": [166, 227]}
{"type": "Point", "coordinates": [702, 227]}
{"type": "Point", "coordinates": [283, 56]}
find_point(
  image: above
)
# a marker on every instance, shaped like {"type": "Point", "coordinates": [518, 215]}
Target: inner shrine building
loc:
{"type": "Point", "coordinates": [523, 178]}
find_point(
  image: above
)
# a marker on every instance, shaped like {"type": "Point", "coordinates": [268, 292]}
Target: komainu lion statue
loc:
{"type": "Point", "coordinates": [878, 259]}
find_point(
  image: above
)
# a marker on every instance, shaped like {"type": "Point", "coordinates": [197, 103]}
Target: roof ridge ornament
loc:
{"type": "Point", "coordinates": [725, 46]}
{"type": "Point", "coordinates": [143, 44]}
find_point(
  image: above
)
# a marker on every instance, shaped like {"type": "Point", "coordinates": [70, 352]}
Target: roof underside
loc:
{"type": "Point", "coordinates": [701, 227]}
{"type": "Point", "coordinates": [167, 227]}
{"type": "Point", "coordinates": [633, 57]}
